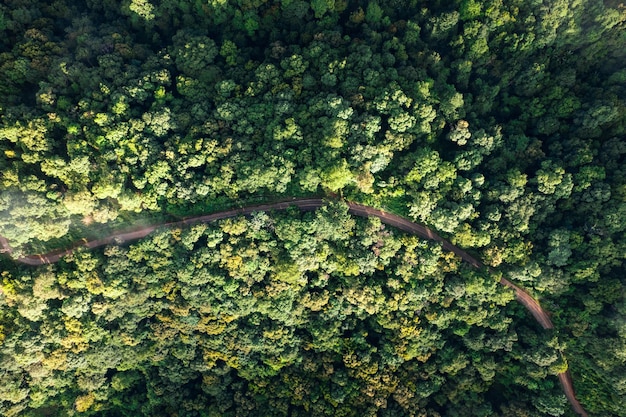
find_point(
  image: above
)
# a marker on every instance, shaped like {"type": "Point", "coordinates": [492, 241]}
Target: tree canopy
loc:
{"type": "Point", "coordinates": [498, 123]}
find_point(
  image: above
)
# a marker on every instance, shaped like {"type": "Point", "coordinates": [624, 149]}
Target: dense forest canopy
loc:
{"type": "Point", "coordinates": [498, 123]}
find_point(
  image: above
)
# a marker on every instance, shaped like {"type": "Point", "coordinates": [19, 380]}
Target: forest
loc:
{"type": "Point", "coordinates": [499, 124]}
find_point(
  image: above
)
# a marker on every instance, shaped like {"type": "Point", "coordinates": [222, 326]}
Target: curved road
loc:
{"type": "Point", "coordinates": [309, 205]}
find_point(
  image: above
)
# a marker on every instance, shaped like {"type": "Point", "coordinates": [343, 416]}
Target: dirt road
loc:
{"type": "Point", "coordinates": [390, 219]}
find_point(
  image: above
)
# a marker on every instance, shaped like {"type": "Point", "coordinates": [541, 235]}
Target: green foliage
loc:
{"type": "Point", "coordinates": [499, 123]}
{"type": "Point", "coordinates": [373, 13]}
{"type": "Point", "coordinates": [258, 306]}
{"type": "Point", "coordinates": [145, 10]}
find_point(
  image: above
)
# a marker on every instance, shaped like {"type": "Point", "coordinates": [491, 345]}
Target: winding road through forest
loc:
{"type": "Point", "coordinates": [310, 204]}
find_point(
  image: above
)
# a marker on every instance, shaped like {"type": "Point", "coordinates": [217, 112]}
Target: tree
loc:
{"type": "Point", "coordinates": [336, 177]}
{"type": "Point", "coordinates": [193, 53]}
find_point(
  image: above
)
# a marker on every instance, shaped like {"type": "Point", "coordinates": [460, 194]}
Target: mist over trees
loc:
{"type": "Point", "coordinates": [500, 124]}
